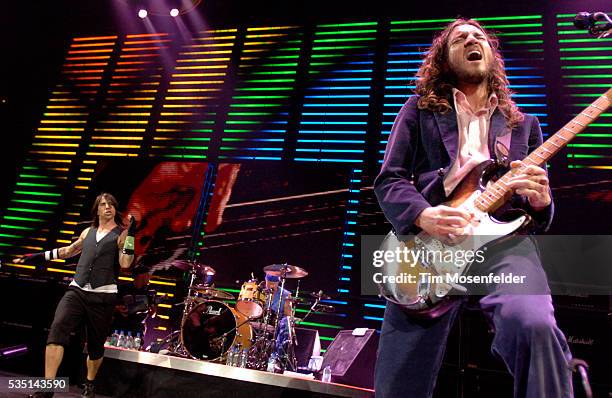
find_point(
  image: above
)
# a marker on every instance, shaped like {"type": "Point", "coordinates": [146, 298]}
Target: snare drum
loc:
{"type": "Point", "coordinates": [203, 329]}
{"type": "Point", "coordinates": [251, 301]}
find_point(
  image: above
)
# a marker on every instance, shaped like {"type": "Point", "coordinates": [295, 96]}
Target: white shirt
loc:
{"type": "Point", "coordinates": [473, 147]}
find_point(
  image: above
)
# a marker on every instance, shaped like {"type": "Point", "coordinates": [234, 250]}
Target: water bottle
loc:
{"type": "Point", "coordinates": [137, 342]}
{"type": "Point", "coordinates": [236, 356]}
{"type": "Point", "coordinates": [327, 373]}
{"type": "Point", "coordinates": [230, 357]}
{"type": "Point", "coordinates": [114, 337]}
{"type": "Point", "coordinates": [129, 341]}
{"type": "Point", "coordinates": [121, 340]}
{"type": "Point", "coordinates": [244, 356]}
{"type": "Point", "coordinates": [272, 364]}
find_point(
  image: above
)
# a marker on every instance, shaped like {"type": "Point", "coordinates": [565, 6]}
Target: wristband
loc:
{"type": "Point", "coordinates": [128, 246]}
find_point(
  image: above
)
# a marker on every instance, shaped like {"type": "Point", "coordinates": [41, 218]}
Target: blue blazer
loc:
{"type": "Point", "coordinates": [421, 148]}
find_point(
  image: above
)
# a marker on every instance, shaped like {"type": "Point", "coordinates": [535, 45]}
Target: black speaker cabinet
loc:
{"type": "Point", "coordinates": [352, 358]}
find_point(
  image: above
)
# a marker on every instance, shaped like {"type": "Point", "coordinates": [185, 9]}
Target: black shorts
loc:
{"type": "Point", "coordinates": [78, 307]}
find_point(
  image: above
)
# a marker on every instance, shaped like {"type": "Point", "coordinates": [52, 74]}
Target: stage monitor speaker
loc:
{"type": "Point", "coordinates": [308, 345]}
{"type": "Point", "coordinates": [352, 358]}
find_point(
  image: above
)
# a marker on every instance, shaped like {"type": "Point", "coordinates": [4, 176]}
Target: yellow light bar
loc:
{"type": "Point", "coordinates": [143, 48]}
{"type": "Point", "coordinates": [138, 55]}
{"type": "Point", "coordinates": [63, 144]}
{"type": "Point", "coordinates": [69, 72]}
{"type": "Point", "coordinates": [114, 146]}
{"type": "Point", "coordinates": [20, 266]}
{"type": "Point", "coordinates": [60, 129]}
{"type": "Point", "coordinates": [234, 30]}
{"type": "Point", "coordinates": [90, 38]}
{"type": "Point", "coordinates": [271, 28]}
{"type": "Point", "coordinates": [189, 82]}
{"type": "Point", "coordinates": [86, 58]}
{"type": "Point", "coordinates": [145, 41]}
{"type": "Point", "coordinates": [102, 44]}
{"type": "Point", "coordinates": [163, 283]}
{"type": "Point", "coordinates": [58, 137]}
{"type": "Point", "coordinates": [54, 153]}
{"type": "Point", "coordinates": [192, 90]}
{"type": "Point", "coordinates": [146, 35]}
{"type": "Point", "coordinates": [88, 65]}
{"type": "Point", "coordinates": [118, 129]}
{"type": "Point", "coordinates": [105, 50]}
{"type": "Point", "coordinates": [65, 271]}
{"type": "Point", "coordinates": [198, 74]}
{"type": "Point", "coordinates": [55, 121]}
{"type": "Point", "coordinates": [187, 98]}
{"type": "Point", "coordinates": [130, 155]}
{"type": "Point", "coordinates": [97, 137]}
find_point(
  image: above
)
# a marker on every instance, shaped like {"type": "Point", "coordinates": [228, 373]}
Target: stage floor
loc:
{"type": "Point", "coordinates": [131, 373]}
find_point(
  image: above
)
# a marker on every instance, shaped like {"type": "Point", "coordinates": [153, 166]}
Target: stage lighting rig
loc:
{"type": "Point", "coordinates": [162, 8]}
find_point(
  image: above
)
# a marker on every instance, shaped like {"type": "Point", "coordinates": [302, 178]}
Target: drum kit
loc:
{"type": "Point", "coordinates": [211, 329]}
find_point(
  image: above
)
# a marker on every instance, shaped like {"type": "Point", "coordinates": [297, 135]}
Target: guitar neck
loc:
{"type": "Point", "coordinates": [498, 192]}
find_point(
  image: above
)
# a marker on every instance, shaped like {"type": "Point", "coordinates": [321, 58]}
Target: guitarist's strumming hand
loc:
{"type": "Point", "coordinates": [531, 182]}
{"type": "Point", "coordinates": [445, 223]}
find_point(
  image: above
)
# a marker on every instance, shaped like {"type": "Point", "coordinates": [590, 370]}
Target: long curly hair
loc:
{"type": "Point", "coordinates": [435, 80]}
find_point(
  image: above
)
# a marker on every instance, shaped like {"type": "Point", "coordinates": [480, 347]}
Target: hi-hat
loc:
{"type": "Point", "coordinates": [211, 292]}
{"type": "Point", "coordinates": [286, 270]}
{"type": "Point", "coordinates": [318, 295]}
{"type": "Point", "coordinates": [186, 265]}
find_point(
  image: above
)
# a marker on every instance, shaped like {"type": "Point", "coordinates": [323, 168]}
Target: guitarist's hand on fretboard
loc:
{"type": "Point", "coordinates": [532, 182]}
{"type": "Point", "coordinates": [444, 222]}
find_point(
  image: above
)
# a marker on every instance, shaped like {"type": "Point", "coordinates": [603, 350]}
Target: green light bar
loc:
{"type": "Point", "coordinates": [603, 85]}
{"type": "Point", "coordinates": [270, 81]}
{"type": "Point", "coordinates": [35, 202]}
{"type": "Point", "coordinates": [11, 236]}
{"type": "Point", "coordinates": [585, 49]}
{"type": "Point", "coordinates": [344, 39]}
{"type": "Point", "coordinates": [344, 32]}
{"type": "Point", "coordinates": [583, 40]}
{"type": "Point", "coordinates": [321, 325]}
{"type": "Point", "coordinates": [33, 184]}
{"type": "Point", "coordinates": [25, 210]}
{"type": "Point", "coordinates": [23, 219]}
{"type": "Point", "coordinates": [585, 156]}
{"type": "Point", "coordinates": [185, 156]}
{"type": "Point", "coordinates": [8, 226]}
{"type": "Point", "coordinates": [587, 67]}
{"type": "Point", "coordinates": [587, 76]}
{"type": "Point", "coordinates": [589, 145]}
{"type": "Point", "coordinates": [348, 24]}
{"type": "Point", "coordinates": [38, 193]}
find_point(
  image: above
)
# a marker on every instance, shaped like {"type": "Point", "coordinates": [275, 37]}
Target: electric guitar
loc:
{"type": "Point", "coordinates": [480, 196]}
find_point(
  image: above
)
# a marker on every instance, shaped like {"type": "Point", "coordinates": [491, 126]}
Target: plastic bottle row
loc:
{"type": "Point", "coordinates": [123, 340]}
{"type": "Point", "coordinates": [236, 356]}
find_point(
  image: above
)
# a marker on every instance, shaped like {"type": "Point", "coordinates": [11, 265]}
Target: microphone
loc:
{"type": "Point", "coordinates": [587, 20]}
{"type": "Point", "coordinates": [584, 20]}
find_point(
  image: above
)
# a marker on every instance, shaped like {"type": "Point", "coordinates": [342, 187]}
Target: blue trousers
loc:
{"type": "Point", "coordinates": [526, 338]}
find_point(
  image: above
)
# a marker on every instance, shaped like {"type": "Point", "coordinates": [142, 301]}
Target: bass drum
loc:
{"type": "Point", "coordinates": [202, 331]}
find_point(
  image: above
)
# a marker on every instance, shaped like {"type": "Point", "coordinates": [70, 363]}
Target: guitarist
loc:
{"type": "Point", "coordinates": [462, 104]}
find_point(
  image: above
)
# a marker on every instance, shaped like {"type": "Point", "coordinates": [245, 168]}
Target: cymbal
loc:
{"type": "Point", "coordinates": [186, 265]}
{"type": "Point", "coordinates": [320, 295]}
{"type": "Point", "coordinates": [211, 292]}
{"type": "Point", "coordinates": [290, 271]}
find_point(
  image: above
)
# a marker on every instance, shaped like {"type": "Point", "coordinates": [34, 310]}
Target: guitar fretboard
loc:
{"type": "Point", "coordinates": [498, 192]}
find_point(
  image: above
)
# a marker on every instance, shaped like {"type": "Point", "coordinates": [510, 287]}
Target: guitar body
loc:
{"type": "Point", "coordinates": [430, 299]}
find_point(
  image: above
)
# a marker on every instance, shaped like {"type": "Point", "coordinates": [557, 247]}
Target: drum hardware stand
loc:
{"type": "Point", "coordinates": [178, 349]}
